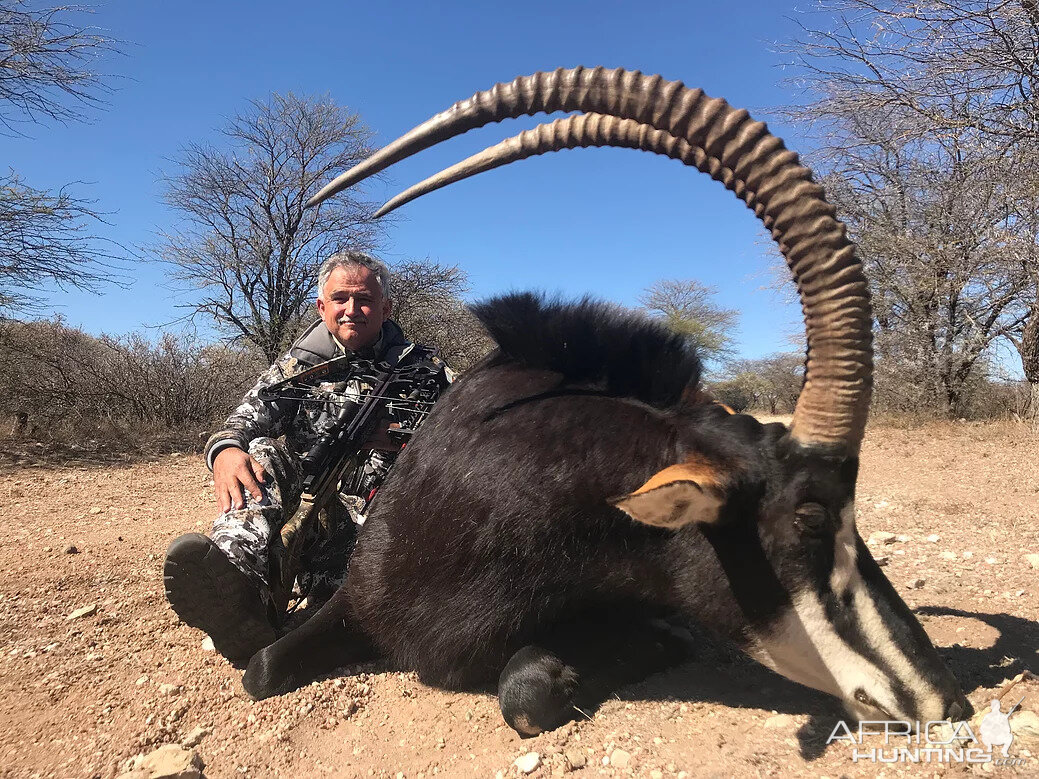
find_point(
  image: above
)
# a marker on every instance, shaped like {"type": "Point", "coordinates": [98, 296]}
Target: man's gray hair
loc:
{"type": "Point", "coordinates": [353, 259]}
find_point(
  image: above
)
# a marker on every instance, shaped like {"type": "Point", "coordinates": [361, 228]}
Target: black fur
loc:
{"type": "Point", "coordinates": [495, 530]}
{"type": "Point", "coordinates": [592, 343]}
{"type": "Point", "coordinates": [494, 526]}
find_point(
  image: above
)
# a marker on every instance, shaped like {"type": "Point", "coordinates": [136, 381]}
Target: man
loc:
{"type": "Point", "coordinates": [232, 583]}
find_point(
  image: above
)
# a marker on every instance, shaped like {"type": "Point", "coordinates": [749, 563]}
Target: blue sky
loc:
{"type": "Point", "coordinates": [606, 222]}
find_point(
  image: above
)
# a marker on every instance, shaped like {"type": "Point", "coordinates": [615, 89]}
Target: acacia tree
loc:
{"type": "Point", "coordinates": [48, 64]}
{"type": "Point", "coordinates": [937, 233]}
{"type": "Point", "coordinates": [951, 64]}
{"type": "Point", "coordinates": [771, 383]}
{"type": "Point", "coordinates": [687, 307]}
{"type": "Point", "coordinates": [247, 243]}
{"type": "Point", "coordinates": [937, 98]}
{"type": "Point", "coordinates": [1026, 338]}
{"type": "Point", "coordinates": [47, 71]}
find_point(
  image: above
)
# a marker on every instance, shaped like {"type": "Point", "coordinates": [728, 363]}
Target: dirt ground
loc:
{"type": "Point", "coordinates": [82, 696]}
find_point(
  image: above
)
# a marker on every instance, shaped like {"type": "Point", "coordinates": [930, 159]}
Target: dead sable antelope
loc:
{"type": "Point", "coordinates": [572, 474]}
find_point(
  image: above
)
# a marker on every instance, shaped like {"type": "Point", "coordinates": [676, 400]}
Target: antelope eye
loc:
{"type": "Point", "coordinates": [811, 518]}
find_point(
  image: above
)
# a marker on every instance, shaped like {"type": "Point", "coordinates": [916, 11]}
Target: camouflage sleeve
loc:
{"type": "Point", "coordinates": [255, 418]}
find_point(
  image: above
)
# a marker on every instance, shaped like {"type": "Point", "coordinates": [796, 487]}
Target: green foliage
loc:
{"type": "Point", "coordinates": [686, 306]}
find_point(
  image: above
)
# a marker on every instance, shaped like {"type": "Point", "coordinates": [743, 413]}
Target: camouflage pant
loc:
{"type": "Point", "coordinates": [258, 541]}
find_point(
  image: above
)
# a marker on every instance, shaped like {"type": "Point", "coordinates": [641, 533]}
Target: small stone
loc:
{"type": "Point", "coordinates": [177, 712]}
{"type": "Point", "coordinates": [575, 759]}
{"type": "Point", "coordinates": [917, 584]}
{"type": "Point", "coordinates": [779, 721]}
{"type": "Point", "coordinates": [882, 537]}
{"type": "Point", "coordinates": [528, 762]}
{"type": "Point", "coordinates": [620, 759]}
{"type": "Point", "coordinates": [934, 538]}
{"type": "Point", "coordinates": [1032, 560]}
{"type": "Point", "coordinates": [946, 733]}
{"type": "Point", "coordinates": [656, 774]}
{"type": "Point", "coordinates": [96, 509]}
{"type": "Point", "coordinates": [169, 689]}
{"type": "Point", "coordinates": [882, 560]}
{"type": "Point", "coordinates": [141, 680]}
{"type": "Point", "coordinates": [46, 549]}
{"type": "Point", "coordinates": [947, 555]}
{"type": "Point", "coordinates": [194, 737]}
{"type": "Point", "coordinates": [207, 645]}
{"type": "Point", "coordinates": [992, 560]}
{"type": "Point", "coordinates": [86, 611]}
{"type": "Point", "coordinates": [1025, 727]}
{"type": "Point", "coordinates": [71, 549]}
{"type": "Point", "coordinates": [968, 555]}
{"type": "Point", "coordinates": [172, 762]}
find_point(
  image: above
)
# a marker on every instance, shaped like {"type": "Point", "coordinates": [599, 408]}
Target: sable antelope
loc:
{"type": "Point", "coordinates": [572, 473]}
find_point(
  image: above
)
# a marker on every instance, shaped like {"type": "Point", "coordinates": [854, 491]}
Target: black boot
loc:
{"type": "Point", "coordinates": [208, 592]}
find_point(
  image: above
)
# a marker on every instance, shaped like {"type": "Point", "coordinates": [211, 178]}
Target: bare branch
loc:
{"type": "Point", "coordinates": [48, 64]}
{"type": "Point", "coordinates": [247, 243]}
{"type": "Point", "coordinates": [46, 235]}
{"type": "Point", "coordinates": [927, 116]}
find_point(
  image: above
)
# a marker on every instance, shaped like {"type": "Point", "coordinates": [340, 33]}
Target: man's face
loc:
{"type": "Point", "coordinates": [352, 306]}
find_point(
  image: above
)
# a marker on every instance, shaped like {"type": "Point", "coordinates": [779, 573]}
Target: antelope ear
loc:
{"type": "Point", "coordinates": [688, 492]}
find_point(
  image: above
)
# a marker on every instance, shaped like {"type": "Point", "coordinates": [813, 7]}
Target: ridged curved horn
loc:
{"type": "Point", "coordinates": [571, 132]}
{"type": "Point", "coordinates": [740, 153]}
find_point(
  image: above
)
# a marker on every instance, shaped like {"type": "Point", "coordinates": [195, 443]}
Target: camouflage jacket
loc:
{"type": "Point", "coordinates": [304, 424]}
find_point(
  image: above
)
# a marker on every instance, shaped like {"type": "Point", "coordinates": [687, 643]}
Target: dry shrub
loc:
{"type": "Point", "coordinates": [70, 387]}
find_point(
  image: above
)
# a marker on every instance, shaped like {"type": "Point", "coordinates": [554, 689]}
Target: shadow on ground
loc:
{"type": "Point", "coordinates": [720, 674]}
{"type": "Point", "coordinates": [38, 454]}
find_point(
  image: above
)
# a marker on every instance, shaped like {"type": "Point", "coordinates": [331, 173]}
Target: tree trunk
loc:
{"type": "Point", "coordinates": [1028, 348]}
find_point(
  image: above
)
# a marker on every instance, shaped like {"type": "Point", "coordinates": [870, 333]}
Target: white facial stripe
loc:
{"type": "Point", "coordinates": [844, 553]}
{"type": "Point", "coordinates": [805, 647]}
{"type": "Point", "coordinates": [880, 638]}
{"type": "Point", "coordinates": [795, 660]}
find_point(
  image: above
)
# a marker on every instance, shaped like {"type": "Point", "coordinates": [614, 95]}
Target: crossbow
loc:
{"type": "Point", "coordinates": [405, 392]}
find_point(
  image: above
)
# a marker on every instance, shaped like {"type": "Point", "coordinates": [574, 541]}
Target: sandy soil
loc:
{"type": "Point", "coordinates": [81, 696]}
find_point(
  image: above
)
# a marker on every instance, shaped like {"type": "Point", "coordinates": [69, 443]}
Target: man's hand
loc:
{"type": "Point", "coordinates": [233, 472]}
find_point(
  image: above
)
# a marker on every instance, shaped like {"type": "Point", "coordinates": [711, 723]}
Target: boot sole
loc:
{"type": "Point", "coordinates": [207, 592]}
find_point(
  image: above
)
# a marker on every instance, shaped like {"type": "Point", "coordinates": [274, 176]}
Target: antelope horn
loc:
{"type": "Point", "coordinates": [572, 132]}
{"type": "Point", "coordinates": [740, 153]}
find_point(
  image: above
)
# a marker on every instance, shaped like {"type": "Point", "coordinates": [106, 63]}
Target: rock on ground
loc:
{"type": "Point", "coordinates": [86, 611]}
{"type": "Point", "coordinates": [620, 759]}
{"type": "Point", "coordinates": [528, 762]}
{"type": "Point", "coordinates": [167, 762]}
